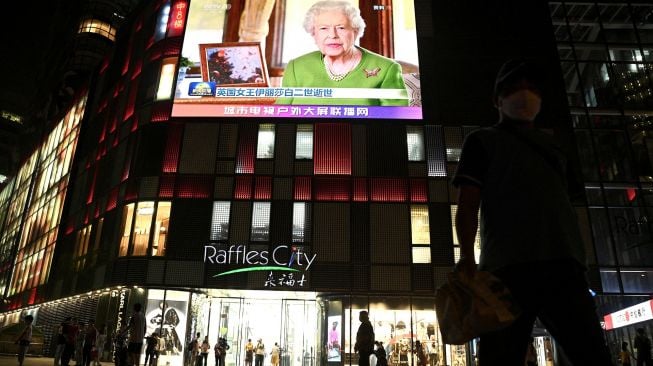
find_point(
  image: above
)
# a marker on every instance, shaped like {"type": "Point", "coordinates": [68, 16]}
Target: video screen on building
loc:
{"type": "Point", "coordinates": [334, 348]}
{"type": "Point", "coordinates": [319, 63]}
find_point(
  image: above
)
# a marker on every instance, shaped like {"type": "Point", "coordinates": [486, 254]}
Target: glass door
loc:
{"type": "Point", "coordinates": [224, 323]}
{"type": "Point", "coordinates": [299, 331]}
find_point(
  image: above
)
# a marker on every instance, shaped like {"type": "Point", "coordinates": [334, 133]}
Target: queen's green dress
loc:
{"type": "Point", "coordinates": [373, 71]}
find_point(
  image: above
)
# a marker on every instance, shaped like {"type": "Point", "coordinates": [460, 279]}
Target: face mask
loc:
{"type": "Point", "coordinates": [522, 104]}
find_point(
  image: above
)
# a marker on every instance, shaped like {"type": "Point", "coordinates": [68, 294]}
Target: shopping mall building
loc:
{"type": "Point", "coordinates": [174, 179]}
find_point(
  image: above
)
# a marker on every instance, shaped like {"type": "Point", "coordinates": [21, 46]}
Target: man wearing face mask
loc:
{"type": "Point", "coordinates": [530, 238]}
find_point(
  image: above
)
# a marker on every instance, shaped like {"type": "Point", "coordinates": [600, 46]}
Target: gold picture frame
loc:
{"type": "Point", "coordinates": [233, 64]}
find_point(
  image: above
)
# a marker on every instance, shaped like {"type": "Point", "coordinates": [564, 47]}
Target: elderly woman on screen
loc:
{"type": "Point", "coordinates": [336, 26]}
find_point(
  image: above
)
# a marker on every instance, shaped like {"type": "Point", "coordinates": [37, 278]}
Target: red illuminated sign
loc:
{"type": "Point", "coordinates": [177, 19]}
{"type": "Point", "coordinates": [631, 315]}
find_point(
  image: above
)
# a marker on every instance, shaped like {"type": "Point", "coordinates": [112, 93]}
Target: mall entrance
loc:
{"type": "Point", "coordinates": [289, 319]}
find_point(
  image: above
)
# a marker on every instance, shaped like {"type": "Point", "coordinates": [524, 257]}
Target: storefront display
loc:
{"type": "Point", "coordinates": [166, 314]}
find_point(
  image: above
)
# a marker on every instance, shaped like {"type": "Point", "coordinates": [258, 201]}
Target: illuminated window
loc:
{"type": "Point", "coordinates": [162, 22]}
{"type": "Point", "coordinates": [161, 225]}
{"type": "Point", "coordinates": [166, 78]}
{"type": "Point", "coordinates": [34, 213]}
{"type": "Point", "coordinates": [419, 224]}
{"type": "Point", "coordinates": [220, 221]}
{"type": "Point", "coordinates": [304, 142]}
{"type": "Point", "coordinates": [420, 233]}
{"type": "Point", "coordinates": [422, 254]}
{"type": "Point", "coordinates": [81, 247]}
{"type": "Point", "coordinates": [98, 27]}
{"type": "Point", "coordinates": [138, 233]}
{"type": "Point", "coordinates": [260, 221]}
{"type": "Point", "coordinates": [128, 215]}
{"type": "Point", "coordinates": [142, 227]}
{"type": "Point", "coordinates": [84, 255]}
{"type": "Point", "coordinates": [453, 141]}
{"type": "Point", "coordinates": [265, 146]}
{"type": "Point", "coordinates": [456, 243]}
{"type": "Point", "coordinates": [415, 141]}
{"type": "Point", "coordinates": [301, 222]}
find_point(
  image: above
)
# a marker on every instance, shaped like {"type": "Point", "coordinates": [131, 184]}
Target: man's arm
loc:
{"type": "Point", "coordinates": [469, 198]}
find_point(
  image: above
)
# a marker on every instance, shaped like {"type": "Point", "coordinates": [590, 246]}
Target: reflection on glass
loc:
{"type": "Point", "coordinates": [300, 222]}
{"type": "Point", "coordinates": [260, 221]}
{"type": "Point", "coordinates": [161, 229]}
{"type": "Point", "coordinates": [419, 223]}
{"type": "Point", "coordinates": [220, 221]}
{"type": "Point", "coordinates": [142, 226]}
{"type": "Point", "coordinates": [128, 215]}
{"type": "Point", "coordinates": [265, 146]}
{"type": "Point", "coordinates": [415, 141]}
{"type": "Point", "coordinates": [304, 143]}
{"type": "Point", "coordinates": [166, 78]}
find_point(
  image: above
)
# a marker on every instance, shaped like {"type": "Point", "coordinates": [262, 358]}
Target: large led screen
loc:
{"type": "Point", "coordinates": [318, 67]}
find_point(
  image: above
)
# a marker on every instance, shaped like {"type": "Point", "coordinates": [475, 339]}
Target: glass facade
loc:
{"type": "Point", "coordinates": [604, 51]}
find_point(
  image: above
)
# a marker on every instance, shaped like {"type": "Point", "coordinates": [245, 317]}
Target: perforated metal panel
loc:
{"type": "Point", "coordinates": [241, 219]}
{"type": "Point", "coordinates": [390, 233]}
{"type": "Point", "coordinates": [441, 235]}
{"type": "Point", "coordinates": [228, 138]}
{"type": "Point", "coordinates": [137, 271]}
{"type": "Point", "coordinates": [149, 187]}
{"type": "Point", "coordinates": [360, 233]}
{"type": "Point", "coordinates": [98, 275]}
{"type": "Point", "coordinates": [304, 167]}
{"type": "Point", "coordinates": [187, 273]}
{"type": "Point", "coordinates": [224, 167]}
{"type": "Point", "coordinates": [331, 276]}
{"type": "Point", "coordinates": [265, 167]}
{"type": "Point", "coordinates": [118, 272]}
{"type": "Point", "coordinates": [284, 154]}
{"type": "Point", "coordinates": [155, 271]}
{"type": "Point", "coordinates": [359, 150]}
{"type": "Point", "coordinates": [199, 148]}
{"type": "Point", "coordinates": [224, 187]}
{"type": "Point", "coordinates": [422, 278]}
{"type": "Point", "coordinates": [395, 278]}
{"type": "Point", "coordinates": [453, 142]}
{"type": "Point", "coordinates": [331, 233]}
{"type": "Point", "coordinates": [439, 191]}
{"type": "Point", "coordinates": [282, 189]}
{"type": "Point", "coordinates": [116, 169]}
{"type": "Point", "coordinates": [417, 169]}
{"type": "Point", "coordinates": [435, 154]}
{"type": "Point", "coordinates": [440, 275]}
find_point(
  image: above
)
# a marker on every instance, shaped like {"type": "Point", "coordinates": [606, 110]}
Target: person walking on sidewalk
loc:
{"type": "Point", "coordinates": [24, 339]}
{"type": "Point", "coordinates": [530, 237]}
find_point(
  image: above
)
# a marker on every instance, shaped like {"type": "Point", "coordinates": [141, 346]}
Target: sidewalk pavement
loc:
{"type": "Point", "coordinates": [12, 360]}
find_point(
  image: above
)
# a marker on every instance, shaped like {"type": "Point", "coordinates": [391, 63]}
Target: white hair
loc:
{"type": "Point", "coordinates": [353, 13]}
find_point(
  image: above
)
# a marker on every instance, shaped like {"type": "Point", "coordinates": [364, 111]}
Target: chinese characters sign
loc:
{"type": "Point", "coordinates": [631, 315]}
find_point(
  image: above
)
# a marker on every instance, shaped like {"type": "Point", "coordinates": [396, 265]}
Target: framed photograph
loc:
{"type": "Point", "coordinates": [233, 64]}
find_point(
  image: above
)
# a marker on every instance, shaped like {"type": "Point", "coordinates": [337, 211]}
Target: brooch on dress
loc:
{"type": "Point", "coordinates": [369, 73]}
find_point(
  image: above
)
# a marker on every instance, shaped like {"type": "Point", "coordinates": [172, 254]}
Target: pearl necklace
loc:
{"type": "Point", "coordinates": [337, 77]}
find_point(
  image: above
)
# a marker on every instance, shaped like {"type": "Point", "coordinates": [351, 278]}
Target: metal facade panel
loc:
{"type": "Point", "coordinates": [331, 231]}
{"type": "Point", "coordinates": [390, 233]}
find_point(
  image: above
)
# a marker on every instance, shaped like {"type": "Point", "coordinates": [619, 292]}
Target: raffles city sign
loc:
{"type": "Point", "coordinates": [286, 265]}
